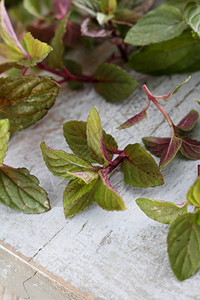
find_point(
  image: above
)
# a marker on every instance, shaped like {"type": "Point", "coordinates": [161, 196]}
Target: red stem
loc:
{"type": "Point", "coordinates": [199, 170]}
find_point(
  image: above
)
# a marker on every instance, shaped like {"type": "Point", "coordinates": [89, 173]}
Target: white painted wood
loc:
{"type": "Point", "coordinates": [109, 255]}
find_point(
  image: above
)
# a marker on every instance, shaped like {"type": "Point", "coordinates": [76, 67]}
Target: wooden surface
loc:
{"type": "Point", "coordinates": [98, 254]}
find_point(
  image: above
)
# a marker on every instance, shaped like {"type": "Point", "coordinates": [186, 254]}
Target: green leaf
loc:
{"type": "Point", "coordinates": [26, 99]}
{"type": "Point", "coordinates": [10, 53]}
{"type": "Point", "coordinates": [90, 6]}
{"type": "Point", "coordinates": [37, 50]}
{"type": "Point", "coordinates": [4, 138]}
{"type": "Point", "coordinates": [9, 65]}
{"type": "Point", "coordinates": [77, 197]}
{"type": "Point", "coordinates": [21, 191]}
{"type": "Point", "coordinates": [102, 18]}
{"type": "Point", "coordinates": [34, 8]}
{"type": "Point", "coordinates": [76, 69]}
{"type": "Point", "coordinates": [192, 15]}
{"type": "Point", "coordinates": [179, 55]}
{"type": "Point", "coordinates": [61, 163]}
{"type": "Point", "coordinates": [161, 24]}
{"type": "Point", "coordinates": [108, 7]}
{"type": "Point", "coordinates": [140, 169]}
{"type": "Point", "coordinates": [193, 195]}
{"type": "Point", "coordinates": [184, 246]}
{"type": "Point", "coordinates": [55, 57]}
{"type": "Point", "coordinates": [95, 136]}
{"type": "Point", "coordinates": [86, 176]}
{"type": "Point", "coordinates": [75, 135]}
{"type": "Point", "coordinates": [114, 84]}
{"type": "Point", "coordinates": [178, 3]}
{"type": "Point", "coordinates": [106, 197]}
{"type": "Point", "coordinates": [163, 212]}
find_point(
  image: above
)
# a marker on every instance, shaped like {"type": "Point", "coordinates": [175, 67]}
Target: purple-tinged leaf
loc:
{"type": "Point", "coordinates": [188, 122]}
{"type": "Point", "coordinates": [73, 33]}
{"type": "Point", "coordinates": [106, 196]}
{"type": "Point", "coordinates": [7, 32]}
{"type": "Point", "coordinates": [9, 65]}
{"type": "Point", "coordinates": [168, 96]}
{"type": "Point", "coordinates": [170, 152]}
{"type": "Point", "coordinates": [61, 8]}
{"type": "Point", "coordinates": [141, 116]}
{"type": "Point", "coordinates": [90, 28]}
{"type": "Point", "coordinates": [190, 148]}
{"type": "Point", "coordinates": [86, 176]}
{"type": "Point", "coordinates": [156, 145]}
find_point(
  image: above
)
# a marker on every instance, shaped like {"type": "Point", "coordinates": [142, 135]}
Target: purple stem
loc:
{"type": "Point", "coordinates": [199, 170]}
{"type": "Point", "coordinates": [24, 71]}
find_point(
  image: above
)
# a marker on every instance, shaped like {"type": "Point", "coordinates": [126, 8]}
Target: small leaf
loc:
{"type": "Point", "coordinates": [184, 246]}
{"type": "Point", "coordinates": [103, 19]}
{"type": "Point", "coordinates": [86, 176]}
{"type": "Point", "coordinates": [77, 197]}
{"type": "Point", "coordinates": [75, 135]}
{"type": "Point", "coordinates": [140, 169]}
{"type": "Point", "coordinates": [156, 145]}
{"type": "Point", "coordinates": [114, 84]}
{"type": "Point", "coordinates": [193, 195]}
{"type": "Point", "coordinates": [108, 7]}
{"type": "Point", "coordinates": [4, 138]}
{"type": "Point", "coordinates": [191, 15]}
{"type": "Point", "coordinates": [190, 148]}
{"type": "Point", "coordinates": [106, 197]}
{"type": "Point", "coordinates": [91, 28]}
{"type": "Point", "coordinates": [37, 50]}
{"type": "Point", "coordinates": [89, 6]}
{"type": "Point", "coordinates": [168, 96]}
{"type": "Point", "coordinates": [33, 7]}
{"type": "Point", "coordinates": [169, 153]}
{"type": "Point", "coordinates": [76, 69]}
{"type": "Point", "coordinates": [95, 136]}
{"type": "Point", "coordinates": [140, 117]}
{"type": "Point", "coordinates": [55, 57]}
{"type": "Point", "coordinates": [61, 163]}
{"type": "Point", "coordinates": [179, 55]}
{"type": "Point", "coordinates": [126, 17]}
{"type": "Point", "coordinates": [161, 24]}
{"type": "Point", "coordinates": [163, 212]}
{"type": "Point", "coordinates": [20, 190]}
{"type": "Point", "coordinates": [188, 122]}
{"type": "Point", "coordinates": [26, 99]}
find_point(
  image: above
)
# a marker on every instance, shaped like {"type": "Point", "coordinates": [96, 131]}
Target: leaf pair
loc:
{"type": "Point", "coordinates": [18, 189]}
{"type": "Point", "coordinates": [184, 233]}
{"type": "Point", "coordinates": [90, 183]}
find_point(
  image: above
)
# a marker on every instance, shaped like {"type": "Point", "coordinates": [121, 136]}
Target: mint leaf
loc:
{"type": "Point", "coordinates": [4, 138]}
{"type": "Point", "coordinates": [184, 246]}
{"type": "Point", "coordinates": [108, 7]}
{"type": "Point", "coordinates": [140, 169]}
{"type": "Point", "coordinates": [89, 6]}
{"type": "Point", "coordinates": [114, 84]}
{"type": "Point", "coordinates": [179, 55]}
{"type": "Point", "coordinates": [21, 191]}
{"type": "Point", "coordinates": [95, 137]}
{"type": "Point", "coordinates": [193, 195]}
{"type": "Point", "coordinates": [55, 57]}
{"type": "Point", "coordinates": [76, 69]}
{"type": "Point", "coordinates": [75, 135]}
{"type": "Point", "coordinates": [179, 3]}
{"type": "Point", "coordinates": [37, 50]}
{"type": "Point", "coordinates": [191, 15]}
{"type": "Point", "coordinates": [163, 212]}
{"type": "Point", "coordinates": [188, 122]}
{"type": "Point", "coordinates": [34, 8]}
{"type": "Point", "coordinates": [8, 65]}
{"type": "Point", "coordinates": [190, 148]}
{"type": "Point", "coordinates": [26, 99]}
{"type": "Point", "coordinates": [60, 8]}
{"type": "Point", "coordinates": [161, 24]}
{"type": "Point", "coordinates": [170, 152]}
{"type": "Point", "coordinates": [61, 163]}
{"type": "Point", "coordinates": [77, 197]}
{"type": "Point", "coordinates": [156, 145]}
{"type": "Point", "coordinates": [90, 28]}
{"type": "Point", "coordinates": [106, 196]}
{"type": "Point", "coordinates": [86, 176]}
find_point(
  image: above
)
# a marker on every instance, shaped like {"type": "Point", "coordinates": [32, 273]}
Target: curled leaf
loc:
{"type": "Point", "coordinates": [188, 122]}
{"type": "Point", "coordinates": [91, 28]}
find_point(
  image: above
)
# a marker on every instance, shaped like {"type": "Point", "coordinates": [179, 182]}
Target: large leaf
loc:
{"type": "Point", "coordinates": [193, 195]}
{"type": "Point", "coordinates": [161, 24]}
{"type": "Point", "coordinates": [75, 135]}
{"type": "Point", "coordinates": [106, 197]}
{"type": "Point", "coordinates": [188, 122]}
{"type": "Point", "coordinates": [140, 169]}
{"type": "Point", "coordinates": [55, 57]}
{"type": "Point", "coordinates": [114, 84]}
{"type": "Point", "coordinates": [4, 138]}
{"type": "Point", "coordinates": [179, 55]}
{"type": "Point", "coordinates": [26, 99]}
{"type": "Point", "coordinates": [192, 15]}
{"type": "Point", "coordinates": [184, 246]}
{"type": "Point", "coordinates": [21, 191]}
{"type": "Point", "coordinates": [60, 163]}
{"type": "Point", "coordinates": [163, 212]}
{"type": "Point", "coordinates": [179, 3]}
{"type": "Point", "coordinates": [77, 197]}
{"type": "Point", "coordinates": [95, 137]}
{"type": "Point", "coordinates": [190, 148]}
{"type": "Point", "coordinates": [37, 50]}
